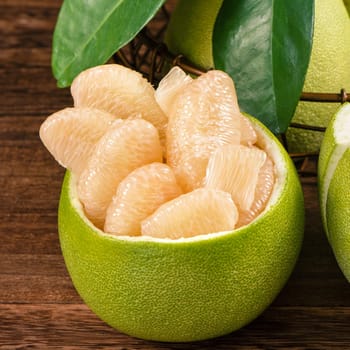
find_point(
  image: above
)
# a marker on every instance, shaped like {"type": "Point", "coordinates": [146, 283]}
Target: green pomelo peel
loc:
{"type": "Point", "coordinates": [334, 186]}
{"type": "Point", "coordinates": [187, 289]}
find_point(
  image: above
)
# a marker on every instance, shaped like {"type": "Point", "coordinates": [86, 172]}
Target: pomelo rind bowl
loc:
{"type": "Point", "coordinates": [192, 288]}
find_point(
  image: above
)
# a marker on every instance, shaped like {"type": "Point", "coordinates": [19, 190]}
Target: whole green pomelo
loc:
{"type": "Point", "coordinates": [329, 71]}
{"type": "Point", "coordinates": [334, 186]}
{"type": "Point", "coordinates": [191, 288]}
{"type": "Point", "coordinates": [190, 33]}
{"type": "Point", "coordinates": [190, 30]}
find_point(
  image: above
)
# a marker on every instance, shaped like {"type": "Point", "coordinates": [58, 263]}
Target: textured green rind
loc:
{"type": "Point", "coordinates": [328, 72]}
{"type": "Point", "coordinates": [326, 152]}
{"type": "Point", "coordinates": [188, 290]}
{"type": "Point", "coordinates": [338, 214]}
{"type": "Point", "coordinates": [335, 212]}
{"type": "Point", "coordinates": [323, 161]}
{"type": "Point", "coordinates": [192, 22]}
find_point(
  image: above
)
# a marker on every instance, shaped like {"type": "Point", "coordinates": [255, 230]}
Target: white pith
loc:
{"type": "Point", "coordinates": [341, 133]}
{"type": "Point", "coordinates": [264, 142]}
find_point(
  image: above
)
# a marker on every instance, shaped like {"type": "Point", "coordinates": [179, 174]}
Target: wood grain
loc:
{"type": "Point", "coordinates": [75, 327]}
{"type": "Point", "coordinates": [39, 307]}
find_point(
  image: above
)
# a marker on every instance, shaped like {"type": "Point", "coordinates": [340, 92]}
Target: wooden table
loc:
{"type": "Point", "coordinates": [39, 308]}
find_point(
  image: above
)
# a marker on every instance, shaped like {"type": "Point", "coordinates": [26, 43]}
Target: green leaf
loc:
{"type": "Point", "coordinates": [89, 32]}
{"type": "Point", "coordinates": [265, 46]}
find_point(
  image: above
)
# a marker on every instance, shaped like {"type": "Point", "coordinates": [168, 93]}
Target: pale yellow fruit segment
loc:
{"type": "Point", "coordinates": [169, 88]}
{"type": "Point", "coordinates": [263, 190]}
{"type": "Point", "coordinates": [120, 91]}
{"type": "Point", "coordinates": [71, 134]}
{"type": "Point", "coordinates": [117, 162]}
{"type": "Point", "coordinates": [199, 212]}
{"type": "Point", "coordinates": [138, 196]}
{"type": "Point", "coordinates": [248, 134]}
{"type": "Point", "coordinates": [204, 117]}
{"type": "Point", "coordinates": [235, 169]}
{"type": "Point", "coordinates": [127, 145]}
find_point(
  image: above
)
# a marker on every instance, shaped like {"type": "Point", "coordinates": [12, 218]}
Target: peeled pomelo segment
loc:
{"type": "Point", "coordinates": [127, 145]}
{"type": "Point", "coordinates": [191, 169]}
{"type": "Point", "coordinates": [70, 135]}
{"type": "Point", "coordinates": [199, 212]}
{"type": "Point", "coordinates": [169, 87]}
{"type": "Point", "coordinates": [120, 91]}
{"type": "Point", "coordinates": [248, 134]}
{"type": "Point", "coordinates": [235, 169]}
{"type": "Point", "coordinates": [263, 190]}
{"type": "Point", "coordinates": [138, 196]}
{"type": "Point", "coordinates": [204, 116]}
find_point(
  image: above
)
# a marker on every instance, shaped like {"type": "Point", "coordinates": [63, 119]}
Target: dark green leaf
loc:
{"type": "Point", "coordinates": [265, 46]}
{"type": "Point", "coordinates": [89, 32]}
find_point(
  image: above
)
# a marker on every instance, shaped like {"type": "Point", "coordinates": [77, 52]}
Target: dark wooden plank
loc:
{"type": "Point", "coordinates": [12, 57]}
{"type": "Point", "coordinates": [26, 25]}
{"type": "Point", "coordinates": [29, 289]}
{"type": "Point", "coordinates": [45, 265]}
{"type": "Point", "coordinates": [31, 3]}
{"type": "Point", "coordinates": [27, 158]}
{"type": "Point", "coordinates": [19, 129]}
{"type": "Point", "coordinates": [75, 327]}
{"type": "Point", "coordinates": [29, 233]}
{"type": "Point", "coordinates": [31, 91]}
{"type": "Point", "coordinates": [24, 196]}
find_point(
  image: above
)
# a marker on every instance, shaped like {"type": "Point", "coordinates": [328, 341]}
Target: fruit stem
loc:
{"type": "Point", "coordinates": [341, 97]}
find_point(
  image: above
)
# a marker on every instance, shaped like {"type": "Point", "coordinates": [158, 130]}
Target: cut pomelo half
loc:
{"type": "Point", "coordinates": [334, 186]}
{"type": "Point", "coordinates": [72, 133]}
{"type": "Point", "coordinates": [192, 288]}
{"type": "Point", "coordinates": [127, 145]}
{"type": "Point", "coordinates": [120, 91]}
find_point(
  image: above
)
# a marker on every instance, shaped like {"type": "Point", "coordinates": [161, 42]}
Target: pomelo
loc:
{"type": "Point", "coordinates": [175, 266]}
{"type": "Point", "coordinates": [334, 186]}
{"type": "Point", "coordinates": [190, 288]}
{"type": "Point", "coordinates": [190, 30]}
{"type": "Point", "coordinates": [328, 72]}
{"type": "Point", "coordinates": [190, 33]}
